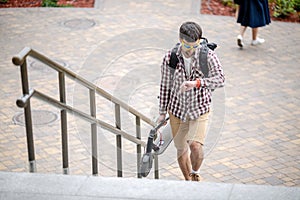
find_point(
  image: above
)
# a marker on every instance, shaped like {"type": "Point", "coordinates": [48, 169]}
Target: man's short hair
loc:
{"type": "Point", "coordinates": [190, 31]}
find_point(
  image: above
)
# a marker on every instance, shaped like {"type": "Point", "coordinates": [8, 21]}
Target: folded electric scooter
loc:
{"type": "Point", "coordinates": [158, 141]}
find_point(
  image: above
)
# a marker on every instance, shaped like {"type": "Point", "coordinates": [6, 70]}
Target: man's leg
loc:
{"type": "Point", "coordinates": [184, 163]}
{"type": "Point", "coordinates": [196, 137]}
{"type": "Point", "coordinates": [179, 130]}
{"type": "Point", "coordinates": [196, 155]}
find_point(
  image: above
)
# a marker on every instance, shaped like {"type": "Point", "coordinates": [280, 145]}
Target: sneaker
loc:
{"type": "Point", "coordinates": [257, 41]}
{"type": "Point", "coordinates": [195, 177]}
{"type": "Point", "coordinates": [240, 42]}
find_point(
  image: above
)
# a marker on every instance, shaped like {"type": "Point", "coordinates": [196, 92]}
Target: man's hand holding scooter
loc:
{"type": "Point", "coordinates": [161, 118]}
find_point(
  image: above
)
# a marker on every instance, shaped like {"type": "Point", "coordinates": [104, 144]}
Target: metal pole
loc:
{"type": "Point", "coordinates": [138, 146]}
{"type": "Point", "coordinates": [28, 119]}
{"type": "Point", "coordinates": [94, 133]}
{"type": "Point", "coordinates": [64, 126]}
{"type": "Point", "coordinates": [118, 141]}
{"type": "Point", "coordinates": [156, 171]}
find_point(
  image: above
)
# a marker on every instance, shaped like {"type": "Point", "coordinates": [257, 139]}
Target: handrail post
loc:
{"type": "Point", "coordinates": [138, 146]}
{"type": "Point", "coordinates": [28, 119]}
{"type": "Point", "coordinates": [156, 171]}
{"type": "Point", "coordinates": [94, 133]}
{"type": "Point", "coordinates": [118, 141]}
{"type": "Point", "coordinates": [64, 122]}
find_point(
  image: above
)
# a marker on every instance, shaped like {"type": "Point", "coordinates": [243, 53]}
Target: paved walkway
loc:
{"type": "Point", "coordinates": [254, 134]}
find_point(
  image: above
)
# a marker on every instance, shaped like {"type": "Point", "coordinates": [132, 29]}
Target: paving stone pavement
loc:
{"type": "Point", "coordinates": [254, 134]}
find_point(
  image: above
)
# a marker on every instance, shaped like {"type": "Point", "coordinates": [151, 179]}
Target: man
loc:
{"type": "Point", "coordinates": [185, 94]}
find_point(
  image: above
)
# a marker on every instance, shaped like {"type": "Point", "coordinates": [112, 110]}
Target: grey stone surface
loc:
{"type": "Point", "coordinates": [36, 183]}
{"type": "Point", "coordinates": [153, 189]}
{"type": "Point", "coordinates": [262, 192]}
{"type": "Point", "coordinates": [16, 186]}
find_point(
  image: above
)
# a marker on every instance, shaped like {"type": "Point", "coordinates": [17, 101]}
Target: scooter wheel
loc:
{"type": "Point", "coordinates": [146, 164]}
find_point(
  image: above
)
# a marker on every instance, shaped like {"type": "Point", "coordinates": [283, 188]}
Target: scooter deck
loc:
{"type": "Point", "coordinates": [159, 145]}
{"type": "Point", "coordinates": [164, 141]}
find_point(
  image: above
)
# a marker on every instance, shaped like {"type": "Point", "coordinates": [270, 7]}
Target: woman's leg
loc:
{"type": "Point", "coordinates": [240, 37]}
{"type": "Point", "coordinates": [237, 7]}
{"type": "Point", "coordinates": [255, 39]}
{"type": "Point", "coordinates": [254, 33]}
{"type": "Point", "coordinates": [242, 30]}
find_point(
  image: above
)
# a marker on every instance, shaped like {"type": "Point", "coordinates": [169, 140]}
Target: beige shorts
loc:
{"type": "Point", "coordinates": [191, 130]}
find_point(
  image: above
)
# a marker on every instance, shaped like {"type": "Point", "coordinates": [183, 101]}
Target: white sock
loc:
{"type": "Point", "coordinates": [196, 172]}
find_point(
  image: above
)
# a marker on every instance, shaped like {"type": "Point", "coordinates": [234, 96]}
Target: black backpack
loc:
{"type": "Point", "coordinates": [202, 56]}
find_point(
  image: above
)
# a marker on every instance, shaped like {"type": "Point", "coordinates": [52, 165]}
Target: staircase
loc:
{"type": "Point", "coordinates": [48, 186]}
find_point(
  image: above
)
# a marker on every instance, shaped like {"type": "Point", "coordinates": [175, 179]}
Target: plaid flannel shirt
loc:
{"type": "Point", "coordinates": [195, 102]}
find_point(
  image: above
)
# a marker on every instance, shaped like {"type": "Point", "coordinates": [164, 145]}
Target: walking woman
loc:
{"type": "Point", "coordinates": [255, 14]}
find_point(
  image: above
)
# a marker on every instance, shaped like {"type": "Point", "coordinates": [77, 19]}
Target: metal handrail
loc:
{"type": "Point", "coordinates": [24, 102]}
{"type": "Point", "coordinates": [19, 59]}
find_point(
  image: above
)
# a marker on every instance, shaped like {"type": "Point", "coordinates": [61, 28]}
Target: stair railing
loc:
{"type": "Point", "coordinates": [24, 102]}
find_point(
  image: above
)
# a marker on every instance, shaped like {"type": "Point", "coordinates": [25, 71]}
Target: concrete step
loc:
{"type": "Point", "coordinates": [35, 186]}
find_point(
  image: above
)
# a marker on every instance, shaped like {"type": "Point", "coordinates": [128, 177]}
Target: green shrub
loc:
{"type": "Point", "coordinates": [227, 2]}
{"type": "Point", "coordinates": [283, 8]}
{"type": "Point", "coordinates": [49, 3]}
{"type": "Point", "coordinates": [297, 5]}
{"type": "Point", "coordinates": [3, 1]}
{"type": "Point", "coordinates": [53, 3]}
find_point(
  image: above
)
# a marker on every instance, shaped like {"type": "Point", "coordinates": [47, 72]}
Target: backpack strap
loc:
{"type": "Point", "coordinates": [203, 57]}
{"type": "Point", "coordinates": [174, 59]}
{"type": "Point", "coordinates": [205, 46]}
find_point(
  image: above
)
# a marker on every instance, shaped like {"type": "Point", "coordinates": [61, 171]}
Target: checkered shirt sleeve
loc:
{"type": "Point", "coordinates": [165, 84]}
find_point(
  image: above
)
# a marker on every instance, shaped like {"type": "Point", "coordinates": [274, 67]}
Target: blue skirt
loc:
{"type": "Point", "coordinates": [254, 13]}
